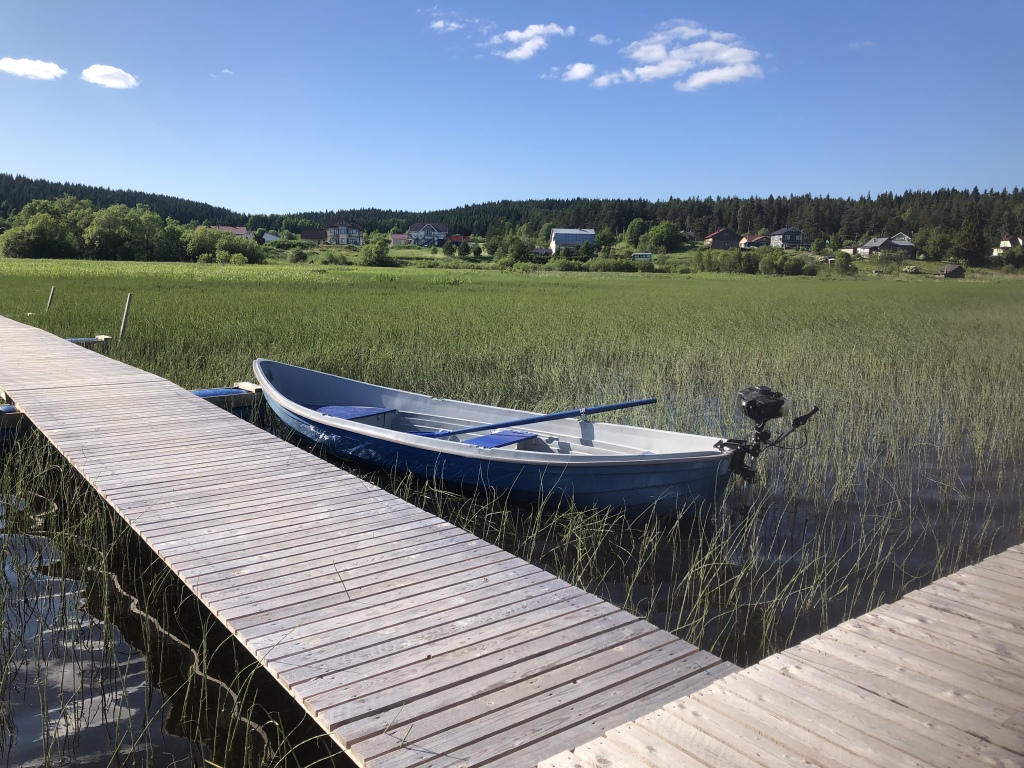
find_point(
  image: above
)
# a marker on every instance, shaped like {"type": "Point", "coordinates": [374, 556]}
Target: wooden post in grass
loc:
{"type": "Point", "coordinates": [124, 319]}
{"type": "Point", "coordinates": [49, 301]}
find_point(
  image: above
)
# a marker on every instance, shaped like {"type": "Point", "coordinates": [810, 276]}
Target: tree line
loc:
{"type": "Point", "coordinates": [70, 228]}
{"type": "Point", "coordinates": [938, 220]}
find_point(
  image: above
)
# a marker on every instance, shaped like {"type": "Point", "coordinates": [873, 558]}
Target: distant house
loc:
{"type": "Point", "coordinates": [424, 233]}
{"type": "Point", "coordinates": [644, 256]}
{"type": "Point", "coordinates": [951, 270]}
{"type": "Point", "coordinates": [458, 240]}
{"type": "Point", "coordinates": [754, 241]}
{"type": "Point", "coordinates": [904, 246]}
{"type": "Point", "coordinates": [567, 238]}
{"type": "Point", "coordinates": [313, 235]}
{"type": "Point", "coordinates": [542, 253]}
{"type": "Point", "coordinates": [723, 239]}
{"type": "Point", "coordinates": [788, 238]}
{"type": "Point", "coordinates": [399, 238]}
{"type": "Point", "coordinates": [239, 231]}
{"type": "Point", "coordinates": [1007, 242]}
{"type": "Point", "coordinates": [344, 232]}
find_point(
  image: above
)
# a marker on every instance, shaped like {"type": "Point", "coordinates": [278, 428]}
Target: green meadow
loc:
{"type": "Point", "coordinates": [910, 471]}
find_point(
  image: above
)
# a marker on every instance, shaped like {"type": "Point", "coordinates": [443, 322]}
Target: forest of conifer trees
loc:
{"type": "Point", "coordinates": [852, 219]}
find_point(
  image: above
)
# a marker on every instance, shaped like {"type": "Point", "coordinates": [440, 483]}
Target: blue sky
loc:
{"type": "Point", "coordinates": [311, 105]}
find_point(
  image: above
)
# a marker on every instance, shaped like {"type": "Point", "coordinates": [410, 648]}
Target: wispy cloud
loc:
{"type": "Point", "coordinates": [108, 77]}
{"type": "Point", "coordinates": [599, 39]}
{"type": "Point", "coordinates": [32, 69]}
{"type": "Point", "coordinates": [681, 49]}
{"type": "Point", "coordinates": [861, 44]}
{"type": "Point", "coordinates": [527, 42]}
{"type": "Point", "coordinates": [578, 71]}
{"type": "Point", "coordinates": [451, 21]}
{"type": "Point", "coordinates": [446, 26]}
{"type": "Point", "coordinates": [226, 72]}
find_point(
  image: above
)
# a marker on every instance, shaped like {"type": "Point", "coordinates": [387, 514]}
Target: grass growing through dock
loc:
{"type": "Point", "coordinates": [912, 470]}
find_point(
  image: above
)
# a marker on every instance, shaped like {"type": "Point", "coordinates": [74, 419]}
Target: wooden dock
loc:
{"type": "Point", "coordinates": [412, 642]}
{"type": "Point", "coordinates": [935, 679]}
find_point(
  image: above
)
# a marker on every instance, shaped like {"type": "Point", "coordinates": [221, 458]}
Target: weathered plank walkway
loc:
{"type": "Point", "coordinates": [935, 679]}
{"type": "Point", "coordinates": [412, 642]}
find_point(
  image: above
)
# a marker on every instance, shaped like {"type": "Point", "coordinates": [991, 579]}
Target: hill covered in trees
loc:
{"type": "Point", "coordinates": [852, 219]}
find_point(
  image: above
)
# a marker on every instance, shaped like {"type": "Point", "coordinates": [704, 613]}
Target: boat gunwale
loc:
{"type": "Point", "coordinates": [507, 455]}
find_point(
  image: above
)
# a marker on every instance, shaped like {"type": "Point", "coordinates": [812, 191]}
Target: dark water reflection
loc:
{"type": "Point", "coordinates": [75, 693]}
{"type": "Point", "coordinates": [147, 686]}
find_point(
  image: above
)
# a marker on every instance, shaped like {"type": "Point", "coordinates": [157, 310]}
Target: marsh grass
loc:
{"type": "Point", "coordinates": [912, 470]}
{"type": "Point", "coordinates": [82, 593]}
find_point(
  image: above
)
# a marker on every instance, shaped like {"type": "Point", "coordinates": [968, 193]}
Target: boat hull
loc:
{"type": "Point", "coordinates": [643, 484]}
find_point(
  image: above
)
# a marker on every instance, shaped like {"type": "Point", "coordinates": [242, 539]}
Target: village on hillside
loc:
{"type": "Point", "coordinates": [899, 247]}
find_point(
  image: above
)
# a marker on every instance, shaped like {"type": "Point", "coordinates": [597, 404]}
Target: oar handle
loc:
{"type": "Point", "coordinates": [543, 417]}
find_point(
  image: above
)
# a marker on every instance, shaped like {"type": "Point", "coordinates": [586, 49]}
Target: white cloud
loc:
{"type": "Point", "coordinates": [678, 51]}
{"type": "Point", "coordinates": [108, 77]}
{"type": "Point", "coordinates": [446, 26]}
{"type": "Point", "coordinates": [226, 72]}
{"type": "Point", "coordinates": [32, 69]}
{"type": "Point", "coordinates": [599, 39]}
{"type": "Point", "coordinates": [578, 71]}
{"type": "Point", "coordinates": [862, 44]}
{"type": "Point", "coordinates": [529, 41]}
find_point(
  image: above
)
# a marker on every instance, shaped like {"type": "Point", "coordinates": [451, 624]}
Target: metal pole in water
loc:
{"type": "Point", "coordinates": [49, 301]}
{"type": "Point", "coordinates": [124, 319]}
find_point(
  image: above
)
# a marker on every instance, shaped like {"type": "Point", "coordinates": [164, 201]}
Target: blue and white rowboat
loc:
{"type": "Point", "coordinates": [594, 464]}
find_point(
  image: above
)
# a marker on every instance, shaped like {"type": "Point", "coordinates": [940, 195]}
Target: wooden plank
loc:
{"type": "Point", "coordinates": [496, 702]}
{"type": "Point", "coordinates": [971, 648]}
{"type": "Point", "coordinates": [919, 717]}
{"type": "Point", "coordinates": [648, 749]}
{"type": "Point", "coordinates": [492, 739]}
{"type": "Point", "coordinates": [727, 731]}
{"type": "Point", "coordinates": [866, 737]}
{"type": "Point", "coordinates": [566, 760]}
{"type": "Point", "coordinates": [331, 694]}
{"type": "Point", "coordinates": [275, 621]}
{"type": "Point", "coordinates": [295, 575]}
{"type": "Point", "coordinates": [357, 589]}
{"type": "Point", "coordinates": [803, 742]}
{"type": "Point", "coordinates": [516, 579]}
{"type": "Point", "coordinates": [991, 581]}
{"type": "Point", "coordinates": [697, 743]}
{"type": "Point", "coordinates": [995, 685]}
{"type": "Point", "coordinates": [314, 554]}
{"type": "Point", "coordinates": [433, 704]}
{"type": "Point", "coordinates": [975, 610]}
{"type": "Point", "coordinates": [366, 637]}
{"type": "Point", "coordinates": [930, 695]}
{"type": "Point", "coordinates": [942, 623]}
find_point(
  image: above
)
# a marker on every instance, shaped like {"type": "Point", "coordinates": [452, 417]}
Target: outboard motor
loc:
{"type": "Point", "coordinates": [760, 405]}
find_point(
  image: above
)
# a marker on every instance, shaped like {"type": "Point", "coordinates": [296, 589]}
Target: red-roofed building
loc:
{"type": "Point", "coordinates": [240, 231]}
{"type": "Point", "coordinates": [723, 239]}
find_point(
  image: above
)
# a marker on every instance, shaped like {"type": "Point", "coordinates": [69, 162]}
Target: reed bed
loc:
{"type": "Point", "coordinates": [912, 470]}
{"type": "Point", "coordinates": [81, 594]}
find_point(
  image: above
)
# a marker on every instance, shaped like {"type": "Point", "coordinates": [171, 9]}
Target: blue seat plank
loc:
{"type": "Point", "coordinates": [500, 439]}
{"type": "Point", "coordinates": [352, 411]}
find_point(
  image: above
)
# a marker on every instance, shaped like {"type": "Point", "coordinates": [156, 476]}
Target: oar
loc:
{"type": "Point", "coordinates": [538, 418]}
